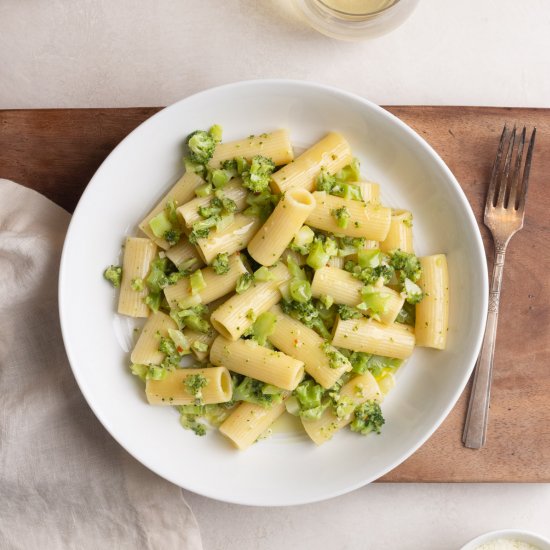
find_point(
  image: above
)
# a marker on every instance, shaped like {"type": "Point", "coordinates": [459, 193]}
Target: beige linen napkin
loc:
{"type": "Point", "coordinates": [64, 482]}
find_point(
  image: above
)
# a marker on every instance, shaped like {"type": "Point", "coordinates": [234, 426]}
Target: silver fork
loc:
{"type": "Point", "coordinates": [504, 213]}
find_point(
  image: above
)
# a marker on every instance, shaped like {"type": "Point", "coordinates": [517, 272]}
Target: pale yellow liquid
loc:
{"type": "Point", "coordinates": [358, 7]}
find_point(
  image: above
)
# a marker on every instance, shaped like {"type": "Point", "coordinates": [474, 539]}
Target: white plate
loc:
{"type": "Point", "coordinates": [287, 468]}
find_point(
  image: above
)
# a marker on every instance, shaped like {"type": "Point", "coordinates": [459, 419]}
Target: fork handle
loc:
{"type": "Point", "coordinates": [475, 428]}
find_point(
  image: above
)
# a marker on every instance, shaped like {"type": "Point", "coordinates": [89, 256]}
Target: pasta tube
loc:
{"type": "Point", "coordinates": [275, 235]}
{"type": "Point", "coordinates": [146, 351]}
{"type": "Point", "coordinates": [345, 289]}
{"type": "Point", "coordinates": [370, 191]}
{"type": "Point", "coordinates": [238, 313]}
{"type": "Point", "coordinates": [248, 422]}
{"type": "Point", "coordinates": [233, 190]}
{"type": "Point", "coordinates": [275, 145]}
{"type": "Point", "coordinates": [341, 285]}
{"type": "Point", "coordinates": [138, 255]}
{"type": "Point", "coordinates": [400, 233]}
{"type": "Point", "coordinates": [373, 337]}
{"type": "Point", "coordinates": [304, 344]}
{"type": "Point", "coordinates": [173, 390]}
{"type": "Point", "coordinates": [184, 253]}
{"type": "Point", "coordinates": [332, 153]}
{"type": "Point", "coordinates": [216, 285]}
{"type": "Point", "coordinates": [364, 220]}
{"type": "Point", "coordinates": [432, 313]}
{"type": "Point", "coordinates": [181, 192]}
{"type": "Point", "coordinates": [232, 238]}
{"type": "Point", "coordinates": [202, 338]}
{"type": "Point", "coordinates": [358, 390]}
{"type": "Point", "coordinates": [248, 358]}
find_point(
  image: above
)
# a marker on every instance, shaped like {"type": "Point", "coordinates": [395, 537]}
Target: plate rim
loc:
{"type": "Point", "coordinates": [479, 251]}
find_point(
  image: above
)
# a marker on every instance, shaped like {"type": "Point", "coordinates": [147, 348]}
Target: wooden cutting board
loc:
{"type": "Point", "coordinates": [56, 152]}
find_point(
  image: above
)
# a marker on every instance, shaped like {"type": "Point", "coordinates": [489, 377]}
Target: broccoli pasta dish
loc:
{"type": "Point", "coordinates": [273, 284]}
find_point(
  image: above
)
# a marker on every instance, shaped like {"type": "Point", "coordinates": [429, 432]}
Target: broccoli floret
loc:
{"type": "Point", "coordinates": [407, 264]}
{"type": "Point", "coordinates": [337, 360]}
{"type": "Point", "coordinates": [261, 204]}
{"type": "Point", "coordinates": [137, 284]}
{"type": "Point", "coordinates": [307, 314]}
{"type": "Point", "coordinates": [342, 216]}
{"type": "Point", "coordinates": [367, 418]}
{"type": "Point", "coordinates": [194, 383]}
{"type": "Point", "coordinates": [256, 178]}
{"type": "Point", "coordinates": [370, 275]}
{"type": "Point", "coordinates": [113, 274]}
{"type": "Point", "coordinates": [189, 422]}
{"type": "Point", "coordinates": [157, 278]}
{"type": "Point", "coordinates": [167, 346]}
{"type": "Point", "coordinates": [201, 146]}
{"type": "Point", "coordinates": [244, 282]}
{"type": "Point", "coordinates": [311, 400]}
{"type": "Point", "coordinates": [254, 391]}
{"type": "Point", "coordinates": [348, 312]}
{"type": "Point", "coordinates": [197, 234]}
{"type": "Point", "coordinates": [325, 181]}
{"type": "Point", "coordinates": [221, 263]}
{"type": "Point", "coordinates": [172, 236]}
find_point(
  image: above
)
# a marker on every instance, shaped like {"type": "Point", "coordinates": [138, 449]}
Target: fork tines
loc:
{"type": "Point", "coordinates": [510, 176]}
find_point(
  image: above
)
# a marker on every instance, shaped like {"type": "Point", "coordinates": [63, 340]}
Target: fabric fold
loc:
{"type": "Point", "coordinates": [64, 482]}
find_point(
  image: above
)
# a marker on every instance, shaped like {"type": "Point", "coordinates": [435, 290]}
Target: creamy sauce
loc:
{"type": "Point", "coordinates": [358, 7]}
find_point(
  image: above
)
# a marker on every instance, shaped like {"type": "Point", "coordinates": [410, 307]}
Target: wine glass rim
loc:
{"type": "Point", "coordinates": [369, 14]}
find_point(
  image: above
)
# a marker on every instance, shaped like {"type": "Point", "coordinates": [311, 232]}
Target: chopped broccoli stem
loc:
{"type": "Point", "coordinates": [317, 257]}
{"type": "Point", "coordinates": [300, 290]}
{"type": "Point", "coordinates": [204, 190]}
{"type": "Point", "coordinates": [311, 400]}
{"type": "Point", "coordinates": [369, 258]}
{"type": "Point", "coordinates": [160, 224]}
{"type": "Point", "coordinates": [262, 275]}
{"type": "Point", "coordinates": [263, 326]}
{"type": "Point", "coordinates": [197, 282]}
{"type": "Point", "coordinates": [374, 299]}
{"type": "Point", "coordinates": [200, 347]}
{"type": "Point", "coordinates": [216, 132]}
{"type": "Point", "coordinates": [113, 274]}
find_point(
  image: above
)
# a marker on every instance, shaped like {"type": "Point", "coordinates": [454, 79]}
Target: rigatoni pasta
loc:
{"type": "Point", "coordinates": [138, 255]}
{"type": "Point", "coordinates": [173, 389]}
{"type": "Point", "coordinates": [432, 313]}
{"type": "Point", "coordinates": [331, 153]}
{"type": "Point", "coordinates": [282, 286]}
{"type": "Point", "coordinates": [370, 221]}
{"type": "Point", "coordinates": [238, 314]}
{"type": "Point", "coordinates": [248, 358]}
{"type": "Point", "coordinates": [267, 246]}
{"type": "Point", "coordinates": [248, 422]}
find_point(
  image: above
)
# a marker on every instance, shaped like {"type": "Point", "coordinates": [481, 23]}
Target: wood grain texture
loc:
{"type": "Point", "coordinates": [57, 151]}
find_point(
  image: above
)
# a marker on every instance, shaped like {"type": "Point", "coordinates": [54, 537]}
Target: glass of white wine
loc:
{"type": "Point", "coordinates": [355, 19]}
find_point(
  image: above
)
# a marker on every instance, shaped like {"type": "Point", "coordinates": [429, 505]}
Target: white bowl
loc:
{"type": "Point", "coordinates": [287, 468]}
{"type": "Point", "coordinates": [509, 534]}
